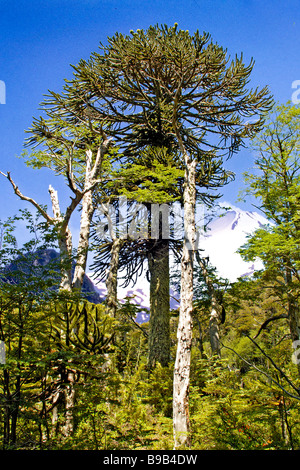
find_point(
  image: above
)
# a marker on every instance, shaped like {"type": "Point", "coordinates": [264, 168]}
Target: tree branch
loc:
{"type": "Point", "coordinates": [100, 153]}
{"type": "Point", "coordinates": [264, 325]}
{"type": "Point", "coordinates": [28, 199]}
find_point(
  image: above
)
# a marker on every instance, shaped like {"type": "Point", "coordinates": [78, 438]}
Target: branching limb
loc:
{"type": "Point", "coordinates": [28, 199]}
{"type": "Point", "coordinates": [70, 176]}
{"type": "Point", "coordinates": [100, 153]}
{"type": "Point", "coordinates": [264, 325]}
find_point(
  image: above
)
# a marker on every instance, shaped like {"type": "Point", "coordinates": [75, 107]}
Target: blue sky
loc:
{"type": "Point", "coordinates": [39, 41]}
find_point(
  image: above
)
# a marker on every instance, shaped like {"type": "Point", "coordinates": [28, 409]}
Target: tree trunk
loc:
{"type": "Point", "coordinates": [214, 330]}
{"type": "Point", "coordinates": [112, 278]}
{"type": "Point", "coordinates": [87, 213]}
{"type": "Point", "coordinates": [15, 410]}
{"type": "Point", "coordinates": [64, 243]}
{"type": "Point", "coordinates": [69, 394]}
{"type": "Point", "coordinates": [65, 248]}
{"type": "Point", "coordinates": [54, 421]}
{"type": "Point", "coordinates": [159, 334]}
{"type": "Point", "coordinates": [181, 421]}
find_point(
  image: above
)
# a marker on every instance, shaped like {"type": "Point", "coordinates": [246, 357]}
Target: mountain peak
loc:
{"type": "Point", "coordinates": [225, 235]}
{"type": "Point", "coordinates": [236, 218]}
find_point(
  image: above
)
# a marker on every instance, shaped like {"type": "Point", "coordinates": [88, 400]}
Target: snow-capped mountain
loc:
{"type": "Point", "coordinates": [223, 237]}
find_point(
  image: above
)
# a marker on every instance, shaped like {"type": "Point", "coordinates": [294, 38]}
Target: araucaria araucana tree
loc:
{"type": "Point", "coordinates": [165, 87]}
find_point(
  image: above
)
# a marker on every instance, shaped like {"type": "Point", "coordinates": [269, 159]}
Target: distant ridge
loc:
{"type": "Point", "coordinates": [46, 257]}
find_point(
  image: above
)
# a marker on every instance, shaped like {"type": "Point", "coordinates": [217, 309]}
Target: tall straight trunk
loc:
{"type": "Point", "coordinates": [87, 212]}
{"type": "Point", "coordinates": [159, 325]}
{"type": "Point", "coordinates": [65, 249]}
{"type": "Point", "coordinates": [54, 421]}
{"type": "Point", "coordinates": [181, 383]}
{"type": "Point", "coordinates": [69, 283]}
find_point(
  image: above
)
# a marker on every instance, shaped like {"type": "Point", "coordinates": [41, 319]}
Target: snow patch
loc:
{"type": "Point", "coordinates": [225, 236]}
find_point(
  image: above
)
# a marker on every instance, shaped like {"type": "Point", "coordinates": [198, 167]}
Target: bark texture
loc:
{"type": "Point", "coordinates": [69, 396]}
{"type": "Point", "coordinates": [181, 383]}
{"type": "Point", "coordinates": [84, 237]}
{"type": "Point", "coordinates": [159, 325]}
{"type": "Point", "coordinates": [64, 242]}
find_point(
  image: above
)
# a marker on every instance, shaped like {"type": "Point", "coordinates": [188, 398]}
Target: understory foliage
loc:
{"type": "Point", "coordinates": [121, 405]}
{"type": "Point", "coordinates": [246, 399]}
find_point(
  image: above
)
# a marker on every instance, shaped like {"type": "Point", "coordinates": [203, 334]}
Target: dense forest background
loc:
{"type": "Point", "coordinates": [80, 373]}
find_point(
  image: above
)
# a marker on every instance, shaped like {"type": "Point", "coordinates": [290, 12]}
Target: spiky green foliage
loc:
{"type": "Point", "coordinates": [164, 78]}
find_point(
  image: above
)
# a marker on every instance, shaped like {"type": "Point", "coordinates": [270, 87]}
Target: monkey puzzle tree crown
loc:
{"type": "Point", "coordinates": [163, 84]}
